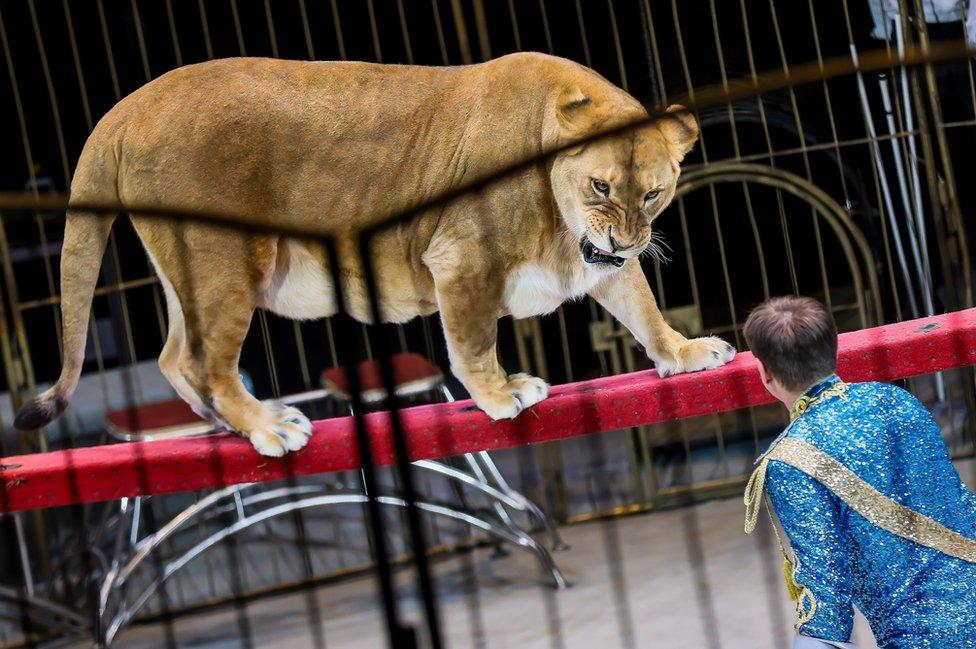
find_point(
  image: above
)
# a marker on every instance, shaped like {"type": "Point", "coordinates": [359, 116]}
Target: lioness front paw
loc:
{"type": "Point", "coordinates": [697, 354]}
{"type": "Point", "coordinates": [288, 430]}
{"type": "Point", "coordinates": [529, 390]}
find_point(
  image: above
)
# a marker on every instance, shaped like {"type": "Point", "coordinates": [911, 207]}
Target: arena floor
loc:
{"type": "Point", "coordinates": [666, 609]}
{"type": "Point", "coordinates": [722, 591]}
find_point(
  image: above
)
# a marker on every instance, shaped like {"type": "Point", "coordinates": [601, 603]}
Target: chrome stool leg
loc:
{"type": "Point", "coordinates": [522, 503]}
{"type": "Point", "coordinates": [500, 510]}
{"type": "Point", "coordinates": [555, 541]}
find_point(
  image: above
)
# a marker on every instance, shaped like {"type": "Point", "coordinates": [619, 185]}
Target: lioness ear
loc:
{"type": "Point", "coordinates": [680, 130]}
{"type": "Point", "coordinates": [574, 111]}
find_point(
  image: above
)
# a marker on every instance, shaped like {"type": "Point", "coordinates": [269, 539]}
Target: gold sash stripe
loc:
{"type": "Point", "coordinates": [867, 501]}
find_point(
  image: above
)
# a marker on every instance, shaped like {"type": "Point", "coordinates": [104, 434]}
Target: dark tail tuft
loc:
{"type": "Point", "coordinates": [39, 411]}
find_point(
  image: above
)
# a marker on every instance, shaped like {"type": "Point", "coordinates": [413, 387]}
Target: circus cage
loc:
{"type": "Point", "coordinates": [836, 139]}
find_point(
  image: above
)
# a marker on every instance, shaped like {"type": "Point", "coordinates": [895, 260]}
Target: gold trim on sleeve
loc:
{"type": "Point", "coordinates": [806, 602]}
{"type": "Point", "coordinates": [860, 496]}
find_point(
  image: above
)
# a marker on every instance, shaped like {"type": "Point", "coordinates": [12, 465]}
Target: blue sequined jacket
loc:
{"type": "Point", "coordinates": [912, 596]}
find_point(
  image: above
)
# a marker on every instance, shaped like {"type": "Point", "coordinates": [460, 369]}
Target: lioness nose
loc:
{"type": "Point", "coordinates": [616, 246]}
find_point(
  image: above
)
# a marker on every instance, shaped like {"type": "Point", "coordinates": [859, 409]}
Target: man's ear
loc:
{"type": "Point", "coordinates": [680, 130]}
{"type": "Point", "coordinates": [767, 377]}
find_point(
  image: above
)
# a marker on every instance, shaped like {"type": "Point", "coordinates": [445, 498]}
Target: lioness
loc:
{"type": "Point", "coordinates": [332, 145]}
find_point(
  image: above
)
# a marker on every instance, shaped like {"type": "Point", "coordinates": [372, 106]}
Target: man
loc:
{"type": "Point", "coordinates": [874, 513]}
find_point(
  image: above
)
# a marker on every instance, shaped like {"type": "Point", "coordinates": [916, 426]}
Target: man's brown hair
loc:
{"type": "Point", "coordinates": [795, 338]}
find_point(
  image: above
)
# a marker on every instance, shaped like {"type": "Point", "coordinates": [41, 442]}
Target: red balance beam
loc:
{"type": "Point", "coordinates": [109, 472]}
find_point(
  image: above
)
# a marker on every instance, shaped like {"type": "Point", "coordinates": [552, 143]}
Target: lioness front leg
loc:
{"type": "Point", "coordinates": [628, 297]}
{"type": "Point", "coordinates": [470, 320]}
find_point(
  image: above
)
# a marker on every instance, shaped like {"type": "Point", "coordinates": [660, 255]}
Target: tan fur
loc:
{"type": "Point", "coordinates": [336, 146]}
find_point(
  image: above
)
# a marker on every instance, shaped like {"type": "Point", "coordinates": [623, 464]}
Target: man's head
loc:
{"type": "Point", "coordinates": [795, 340]}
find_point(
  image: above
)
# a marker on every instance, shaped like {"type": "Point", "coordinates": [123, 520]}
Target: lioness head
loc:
{"type": "Point", "coordinates": [610, 190]}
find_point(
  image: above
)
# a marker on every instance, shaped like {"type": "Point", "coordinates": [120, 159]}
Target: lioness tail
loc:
{"type": "Point", "coordinates": [85, 236]}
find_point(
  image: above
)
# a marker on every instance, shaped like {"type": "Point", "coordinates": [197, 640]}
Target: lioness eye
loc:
{"type": "Point", "coordinates": [651, 195]}
{"type": "Point", "coordinates": [601, 187]}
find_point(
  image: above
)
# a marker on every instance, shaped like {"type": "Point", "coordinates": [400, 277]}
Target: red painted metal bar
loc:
{"type": "Point", "coordinates": [109, 472]}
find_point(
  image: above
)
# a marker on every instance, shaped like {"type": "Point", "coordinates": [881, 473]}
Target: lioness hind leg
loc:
{"type": "Point", "coordinates": [222, 324]}
{"type": "Point", "coordinates": [171, 363]}
{"type": "Point", "coordinates": [272, 430]}
{"type": "Point", "coordinates": [216, 275]}
{"type": "Point", "coordinates": [173, 357]}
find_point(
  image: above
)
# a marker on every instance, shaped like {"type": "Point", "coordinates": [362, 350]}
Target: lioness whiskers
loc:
{"type": "Point", "coordinates": [656, 248]}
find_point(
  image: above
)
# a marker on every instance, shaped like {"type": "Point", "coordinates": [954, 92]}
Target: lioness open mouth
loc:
{"type": "Point", "coordinates": [594, 255]}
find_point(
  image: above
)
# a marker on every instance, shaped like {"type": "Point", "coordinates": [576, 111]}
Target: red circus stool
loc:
{"type": "Point", "coordinates": [413, 375]}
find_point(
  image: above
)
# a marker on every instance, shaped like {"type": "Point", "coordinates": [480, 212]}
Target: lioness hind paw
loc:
{"type": "Point", "coordinates": [499, 404]}
{"type": "Point", "coordinates": [529, 390]}
{"type": "Point", "coordinates": [288, 431]}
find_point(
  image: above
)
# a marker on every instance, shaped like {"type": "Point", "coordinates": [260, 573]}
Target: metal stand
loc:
{"type": "Point", "coordinates": [493, 511]}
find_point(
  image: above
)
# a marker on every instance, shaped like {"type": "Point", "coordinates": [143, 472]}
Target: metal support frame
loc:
{"type": "Point", "coordinates": [253, 504]}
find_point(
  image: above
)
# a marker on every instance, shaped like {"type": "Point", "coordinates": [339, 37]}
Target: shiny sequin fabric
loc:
{"type": "Point", "coordinates": [912, 595]}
